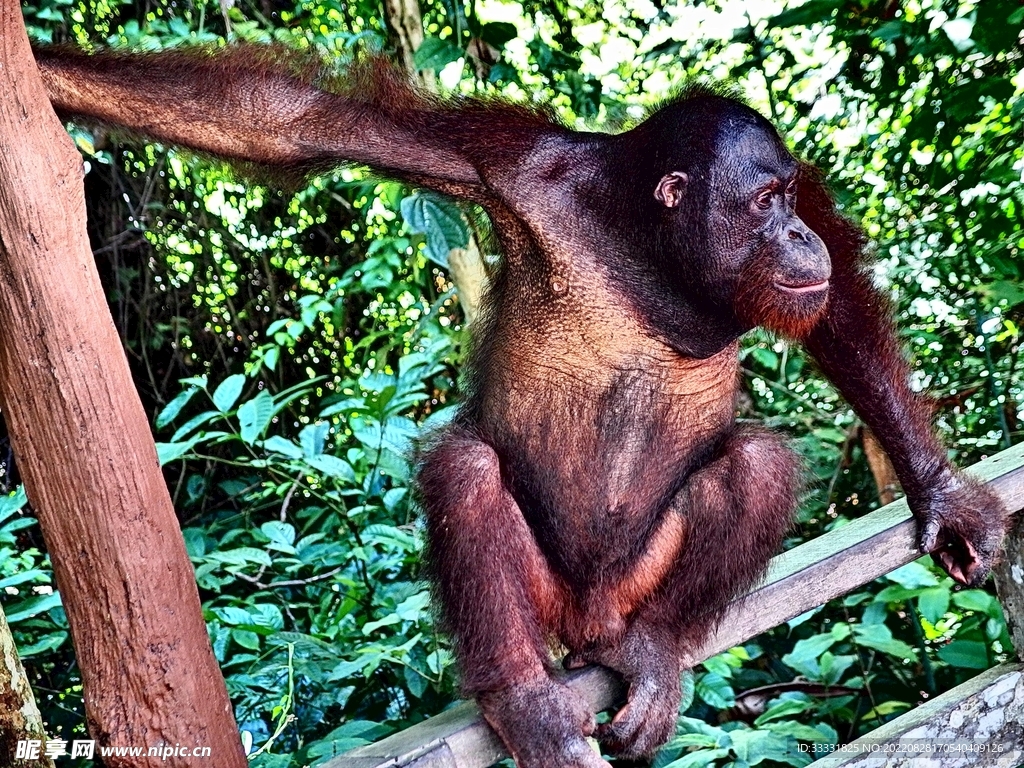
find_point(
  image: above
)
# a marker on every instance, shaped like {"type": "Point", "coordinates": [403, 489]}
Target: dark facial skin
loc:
{"type": "Point", "coordinates": [595, 489]}
{"type": "Point", "coordinates": [769, 266]}
{"type": "Point", "coordinates": [752, 206]}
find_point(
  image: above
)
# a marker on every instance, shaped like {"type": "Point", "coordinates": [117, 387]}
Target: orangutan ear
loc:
{"type": "Point", "coordinates": [671, 188]}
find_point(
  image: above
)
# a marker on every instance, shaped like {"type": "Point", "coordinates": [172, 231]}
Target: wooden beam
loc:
{"type": "Point", "coordinates": [979, 723]}
{"type": "Point", "coordinates": [803, 578]}
{"type": "Point", "coordinates": [85, 451]}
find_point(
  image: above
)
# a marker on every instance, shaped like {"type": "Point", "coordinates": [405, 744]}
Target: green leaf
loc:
{"type": "Point", "coordinates": [994, 629]}
{"type": "Point", "coordinates": [278, 444]}
{"type": "Point", "coordinates": [50, 14]}
{"type": "Point", "coordinates": [804, 656]}
{"type": "Point", "coordinates": [393, 497]}
{"type": "Point", "coordinates": [35, 574]}
{"type": "Point", "coordinates": [976, 600]}
{"type": "Point", "coordinates": [415, 682]}
{"type": "Point", "coordinates": [754, 747]}
{"type": "Point", "coordinates": [32, 606]}
{"type": "Point", "coordinates": [9, 528]}
{"type": "Point", "coordinates": [891, 30]}
{"type": "Point", "coordinates": [279, 533]}
{"type": "Point", "coordinates": [168, 452]}
{"type": "Point", "coordinates": [833, 667]}
{"type": "Point", "coordinates": [715, 691]}
{"type": "Point", "coordinates": [896, 594]}
{"type": "Point", "coordinates": [195, 487]}
{"type": "Point", "coordinates": [334, 467]}
{"type": "Point", "coordinates": [413, 608]}
{"type": "Point", "coordinates": [246, 639]}
{"type": "Point", "coordinates": [312, 306]}
{"type": "Point", "coordinates": [242, 556]}
{"type": "Point", "coordinates": [688, 682]}
{"type": "Point", "coordinates": [993, 27]}
{"type": "Point", "coordinates": [812, 12]}
{"type": "Point", "coordinates": [498, 33]}
{"type": "Point", "coordinates": [1003, 290]}
{"type": "Point", "coordinates": [879, 637]}
{"type": "Point", "coordinates": [225, 396]}
{"type": "Point", "coordinates": [312, 438]}
{"type": "Point", "coordinates": [268, 615]}
{"type": "Point", "coordinates": [271, 759]}
{"type": "Point", "coordinates": [44, 644]}
{"type": "Point", "coordinates": [12, 502]}
{"type": "Point", "coordinates": [231, 614]}
{"type": "Point", "coordinates": [346, 405]}
{"type": "Point", "coordinates": [438, 660]}
{"type": "Point", "coordinates": [271, 356]}
{"type": "Point", "coordinates": [786, 706]}
{"type": "Point", "coordinates": [802, 732]}
{"type": "Point", "coordinates": [435, 53]}
{"type": "Point", "coordinates": [965, 654]}
{"type": "Point", "coordinates": [389, 535]}
{"type": "Point", "coordinates": [701, 740]}
{"type": "Point", "coordinates": [371, 626]}
{"type": "Point", "coordinates": [195, 542]}
{"type": "Point", "coordinates": [718, 665]}
{"type": "Point", "coordinates": [913, 576]}
{"type": "Point", "coordinates": [886, 708]}
{"type": "Point", "coordinates": [440, 220]}
{"type": "Point", "coordinates": [765, 357]}
{"type": "Point", "coordinates": [192, 424]}
{"type": "Point", "coordinates": [366, 729]}
{"type": "Point", "coordinates": [933, 603]}
{"type": "Point", "coordinates": [254, 415]}
{"type": "Point", "coordinates": [173, 408]}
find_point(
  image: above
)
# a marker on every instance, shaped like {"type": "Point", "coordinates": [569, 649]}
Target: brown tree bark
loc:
{"type": "Point", "coordinates": [881, 468]}
{"type": "Point", "coordinates": [405, 21]}
{"type": "Point", "coordinates": [86, 454]}
{"type": "Point", "coordinates": [19, 715]}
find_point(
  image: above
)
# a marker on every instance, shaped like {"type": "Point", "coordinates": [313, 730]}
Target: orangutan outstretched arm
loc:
{"type": "Point", "coordinates": [284, 110]}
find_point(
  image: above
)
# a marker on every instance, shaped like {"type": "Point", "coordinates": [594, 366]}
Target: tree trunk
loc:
{"type": "Point", "coordinates": [19, 715]}
{"type": "Point", "coordinates": [881, 468]}
{"type": "Point", "coordinates": [406, 24]}
{"type": "Point", "coordinates": [86, 454]}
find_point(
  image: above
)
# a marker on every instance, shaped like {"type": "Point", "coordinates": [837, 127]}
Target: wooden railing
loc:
{"type": "Point", "coordinates": [798, 580]}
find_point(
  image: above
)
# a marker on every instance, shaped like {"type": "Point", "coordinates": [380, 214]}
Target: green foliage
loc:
{"type": "Point", "coordinates": [35, 612]}
{"type": "Point", "coordinates": [292, 347]}
{"type": "Point", "coordinates": [323, 544]}
{"type": "Point", "coordinates": [439, 221]}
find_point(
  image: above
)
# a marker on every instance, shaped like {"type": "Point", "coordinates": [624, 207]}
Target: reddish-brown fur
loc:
{"type": "Point", "coordinates": [595, 490]}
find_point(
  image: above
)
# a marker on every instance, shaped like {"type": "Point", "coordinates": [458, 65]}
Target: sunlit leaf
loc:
{"type": "Point", "coordinates": [173, 408]}
{"type": "Point", "coordinates": [254, 416]}
{"type": "Point", "coordinates": [436, 54]}
{"type": "Point", "coordinates": [440, 220]}
{"type": "Point", "coordinates": [225, 396]}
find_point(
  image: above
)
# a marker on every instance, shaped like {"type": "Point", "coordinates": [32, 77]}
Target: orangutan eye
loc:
{"type": "Point", "coordinates": [764, 200]}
